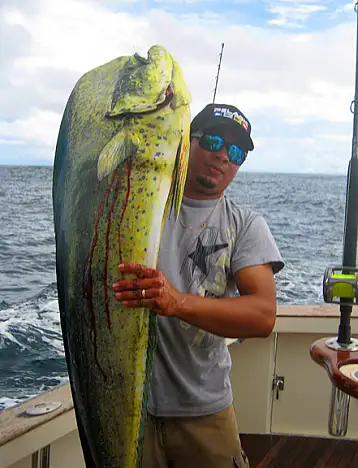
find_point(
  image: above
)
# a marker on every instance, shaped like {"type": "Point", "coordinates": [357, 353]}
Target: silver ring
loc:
{"type": "Point", "coordinates": [143, 292]}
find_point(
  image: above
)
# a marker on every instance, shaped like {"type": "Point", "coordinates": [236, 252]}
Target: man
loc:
{"type": "Point", "coordinates": [215, 249]}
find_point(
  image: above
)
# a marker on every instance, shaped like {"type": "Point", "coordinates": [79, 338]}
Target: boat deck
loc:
{"type": "Point", "coordinates": [266, 451]}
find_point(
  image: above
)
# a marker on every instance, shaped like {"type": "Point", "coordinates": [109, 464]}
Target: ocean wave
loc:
{"type": "Point", "coordinates": [32, 350]}
{"type": "Point", "coordinates": [33, 322]}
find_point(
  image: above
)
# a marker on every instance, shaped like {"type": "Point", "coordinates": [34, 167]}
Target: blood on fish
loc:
{"type": "Point", "coordinates": [88, 282]}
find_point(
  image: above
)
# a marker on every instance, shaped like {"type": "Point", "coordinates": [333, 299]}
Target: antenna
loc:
{"type": "Point", "coordinates": [217, 76]}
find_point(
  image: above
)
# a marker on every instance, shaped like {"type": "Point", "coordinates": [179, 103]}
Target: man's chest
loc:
{"type": "Point", "coordinates": [197, 261]}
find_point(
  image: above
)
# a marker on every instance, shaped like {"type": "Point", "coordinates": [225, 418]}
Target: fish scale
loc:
{"type": "Point", "coordinates": [117, 174]}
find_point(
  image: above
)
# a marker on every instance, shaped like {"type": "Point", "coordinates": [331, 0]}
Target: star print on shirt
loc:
{"type": "Point", "coordinates": [201, 253]}
{"type": "Point", "coordinates": [199, 261]}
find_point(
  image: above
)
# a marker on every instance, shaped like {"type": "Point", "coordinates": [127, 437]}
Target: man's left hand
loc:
{"type": "Point", "coordinates": [151, 289]}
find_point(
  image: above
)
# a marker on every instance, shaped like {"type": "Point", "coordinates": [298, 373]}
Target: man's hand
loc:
{"type": "Point", "coordinates": [252, 314]}
{"type": "Point", "coordinates": [151, 289]}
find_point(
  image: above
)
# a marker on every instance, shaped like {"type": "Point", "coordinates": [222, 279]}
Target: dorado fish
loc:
{"type": "Point", "coordinates": [120, 167]}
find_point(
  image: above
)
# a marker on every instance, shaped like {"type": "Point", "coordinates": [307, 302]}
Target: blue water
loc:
{"type": "Point", "coordinates": [304, 212]}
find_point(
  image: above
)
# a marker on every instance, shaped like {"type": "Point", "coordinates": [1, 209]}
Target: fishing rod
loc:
{"type": "Point", "coordinates": [339, 355]}
{"type": "Point", "coordinates": [217, 76]}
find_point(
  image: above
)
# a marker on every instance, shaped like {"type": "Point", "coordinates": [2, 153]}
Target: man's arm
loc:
{"type": "Point", "coordinates": [252, 314]}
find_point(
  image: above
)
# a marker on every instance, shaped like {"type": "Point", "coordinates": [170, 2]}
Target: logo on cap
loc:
{"type": "Point", "coordinates": [226, 112]}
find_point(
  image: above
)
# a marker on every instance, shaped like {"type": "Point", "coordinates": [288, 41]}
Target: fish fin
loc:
{"type": "Point", "coordinates": [116, 151]}
{"type": "Point", "coordinates": [180, 169]}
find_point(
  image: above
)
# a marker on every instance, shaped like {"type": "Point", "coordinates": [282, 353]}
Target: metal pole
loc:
{"type": "Point", "coordinates": [351, 214]}
{"type": "Point", "coordinates": [217, 76]}
{"type": "Point", "coordinates": [348, 295]}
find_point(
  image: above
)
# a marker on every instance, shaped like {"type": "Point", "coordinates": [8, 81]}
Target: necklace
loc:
{"type": "Point", "coordinates": [204, 223]}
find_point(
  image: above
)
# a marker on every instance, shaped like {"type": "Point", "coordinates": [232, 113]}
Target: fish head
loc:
{"type": "Point", "coordinates": [181, 93]}
{"type": "Point", "coordinates": [176, 88]}
{"type": "Point", "coordinates": [147, 84]}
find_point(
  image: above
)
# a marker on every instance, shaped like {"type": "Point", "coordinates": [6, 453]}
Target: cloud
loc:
{"type": "Point", "coordinates": [293, 13]}
{"type": "Point", "coordinates": [4, 141]}
{"type": "Point", "coordinates": [348, 7]}
{"type": "Point", "coordinates": [317, 153]}
{"type": "Point", "coordinates": [40, 128]}
{"type": "Point", "coordinates": [294, 86]}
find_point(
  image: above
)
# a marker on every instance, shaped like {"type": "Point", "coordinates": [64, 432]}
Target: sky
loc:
{"type": "Point", "coordinates": [289, 65]}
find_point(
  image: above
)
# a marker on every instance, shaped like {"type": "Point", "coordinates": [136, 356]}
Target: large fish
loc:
{"type": "Point", "coordinates": [120, 168]}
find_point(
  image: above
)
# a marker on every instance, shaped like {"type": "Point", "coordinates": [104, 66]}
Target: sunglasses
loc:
{"type": "Point", "coordinates": [214, 143]}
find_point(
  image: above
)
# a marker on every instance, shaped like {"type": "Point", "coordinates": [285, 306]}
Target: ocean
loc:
{"type": "Point", "coordinates": [305, 214]}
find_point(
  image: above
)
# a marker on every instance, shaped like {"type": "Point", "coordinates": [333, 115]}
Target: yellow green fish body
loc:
{"type": "Point", "coordinates": [120, 165]}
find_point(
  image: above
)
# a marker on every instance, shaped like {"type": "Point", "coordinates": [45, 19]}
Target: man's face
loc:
{"type": "Point", "coordinates": [209, 173]}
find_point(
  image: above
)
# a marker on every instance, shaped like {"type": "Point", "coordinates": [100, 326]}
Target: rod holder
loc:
{"type": "Point", "coordinates": [41, 458]}
{"type": "Point", "coordinates": [338, 412]}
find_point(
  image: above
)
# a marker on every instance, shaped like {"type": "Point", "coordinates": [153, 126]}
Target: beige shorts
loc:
{"type": "Point", "coordinates": [205, 441]}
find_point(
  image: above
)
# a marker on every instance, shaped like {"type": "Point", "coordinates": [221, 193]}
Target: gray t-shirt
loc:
{"type": "Point", "coordinates": [191, 366]}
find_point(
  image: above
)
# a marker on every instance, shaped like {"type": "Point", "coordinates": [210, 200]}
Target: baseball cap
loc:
{"type": "Point", "coordinates": [223, 114]}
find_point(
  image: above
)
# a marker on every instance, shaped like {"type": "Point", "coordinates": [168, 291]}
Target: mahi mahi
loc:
{"type": "Point", "coordinates": [120, 167]}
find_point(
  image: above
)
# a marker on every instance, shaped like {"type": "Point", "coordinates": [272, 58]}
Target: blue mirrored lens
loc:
{"type": "Point", "coordinates": [236, 155]}
{"type": "Point", "coordinates": [215, 143]}
{"type": "Point", "coordinates": [212, 142]}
